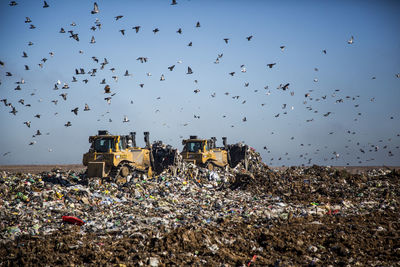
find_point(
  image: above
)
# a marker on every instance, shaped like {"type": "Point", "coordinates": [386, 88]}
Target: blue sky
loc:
{"type": "Point", "coordinates": [361, 126]}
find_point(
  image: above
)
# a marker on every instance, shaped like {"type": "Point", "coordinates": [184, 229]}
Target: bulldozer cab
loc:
{"type": "Point", "coordinates": [195, 146]}
{"type": "Point", "coordinates": [105, 144]}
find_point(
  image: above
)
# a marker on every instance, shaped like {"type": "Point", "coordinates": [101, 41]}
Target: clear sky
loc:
{"type": "Point", "coordinates": [341, 107]}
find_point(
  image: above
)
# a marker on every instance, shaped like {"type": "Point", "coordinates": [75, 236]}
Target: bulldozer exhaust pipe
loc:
{"type": "Point", "coordinates": [133, 137]}
{"type": "Point", "coordinates": [213, 142]}
{"type": "Point", "coordinates": [224, 142]}
{"type": "Point", "coordinates": [147, 139]}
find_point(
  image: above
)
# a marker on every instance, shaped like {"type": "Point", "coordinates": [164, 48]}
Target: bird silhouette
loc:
{"type": "Point", "coordinates": [351, 40]}
{"type": "Point", "coordinates": [142, 59]}
{"type": "Point", "coordinates": [64, 96]}
{"type": "Point", "coordinates": [136, 28]}
{"type": "Point", "coordinates": [95, 9]}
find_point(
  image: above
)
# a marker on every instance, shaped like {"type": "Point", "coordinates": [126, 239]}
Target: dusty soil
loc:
{"type": "Point", "coordinates": [362, 240]}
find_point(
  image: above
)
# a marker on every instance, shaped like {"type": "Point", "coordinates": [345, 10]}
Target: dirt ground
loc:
{"type": "Point", "coordinates": [369, 236]}
{"type": "Point", "coordinates": [366, 240]}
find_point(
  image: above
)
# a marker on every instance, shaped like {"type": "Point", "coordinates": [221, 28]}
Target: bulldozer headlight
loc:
{"type": "Point", "coordinates": [117, 156]}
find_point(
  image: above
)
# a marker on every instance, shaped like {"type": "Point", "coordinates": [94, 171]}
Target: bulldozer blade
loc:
{"type": "Point", "coordinates": [96, 169]}
{"type": "Point", "coordinates": [238, 153]}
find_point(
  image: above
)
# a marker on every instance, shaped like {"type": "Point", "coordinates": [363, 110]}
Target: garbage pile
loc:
{"type": "Point", "coordinates": [298, 216]}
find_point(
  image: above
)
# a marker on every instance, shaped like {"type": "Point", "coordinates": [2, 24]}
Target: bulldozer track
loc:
{"type": "Point", "coordinates": [115, 173]}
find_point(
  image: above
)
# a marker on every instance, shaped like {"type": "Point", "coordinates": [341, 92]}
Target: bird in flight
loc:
{"type": "Point", "coordinates": [142, 59]}
{"type": "Point", "coordinates": [136, 28]}
{"type": "Point", "coordinates": [45, 5]}
{"type": "Point", "coordinates": [351, 41]}
{"type": "Point", "coordinates": [95, 8]}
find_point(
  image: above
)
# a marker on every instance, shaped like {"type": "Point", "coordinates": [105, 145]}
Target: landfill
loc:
{"type": "Point", "coordinates": [309, 216]}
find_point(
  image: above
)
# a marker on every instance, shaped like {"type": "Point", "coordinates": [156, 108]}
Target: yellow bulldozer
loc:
{"type": "Point", "coordinates": [118, 157]}
{"type": "Point", "coordinates": [203, 152]}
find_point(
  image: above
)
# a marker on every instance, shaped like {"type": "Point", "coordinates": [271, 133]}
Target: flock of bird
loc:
{"type": "Point", "coordinates": [309, 97]}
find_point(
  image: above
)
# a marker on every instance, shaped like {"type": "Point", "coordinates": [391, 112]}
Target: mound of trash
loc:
{"type": "Point", "coordinates": [191, 215]}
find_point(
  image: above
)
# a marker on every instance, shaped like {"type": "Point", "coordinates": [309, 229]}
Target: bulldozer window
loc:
{"type": "Point", "coordinates": [193, 146]}
{"type": "Point", "coordinates": [103, 145]}
{"type": "Point", "coordinates": [121, 145]}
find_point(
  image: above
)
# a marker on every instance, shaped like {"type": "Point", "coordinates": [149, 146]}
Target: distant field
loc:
{"type": "Point", "coordinates": [40, 168]}
{"type": "Point", "coordinates": [80, 167]}
{"type": "Point", "coordinates": [350, 169]}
